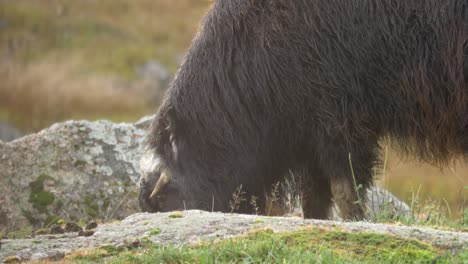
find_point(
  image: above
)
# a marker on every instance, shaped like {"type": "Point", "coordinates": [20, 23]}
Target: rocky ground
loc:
{"type": "Point", "coordinates": [192, 227]}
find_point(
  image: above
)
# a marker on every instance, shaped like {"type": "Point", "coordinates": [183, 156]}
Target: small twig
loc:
{"type": "Point", "coordinates": [253, 202]}
{"type": "Point", "coordinates": [448, 207]}
{"type": "Point", "coordinates": [274, 196]}
{"type": "Point", "coordinates": [384, 169]}
{"type": "Point", "coordinates": [357, 188]}
{"type": "Point", "coordinates": [118, 205]}
{"type": "Point", "coordinates": [212, 203]}
{"type": "Point", "coordinates": [236, 199]}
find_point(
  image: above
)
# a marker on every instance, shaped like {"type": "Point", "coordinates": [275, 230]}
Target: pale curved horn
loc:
{"type": "Point", "coordinates": [163, 180]}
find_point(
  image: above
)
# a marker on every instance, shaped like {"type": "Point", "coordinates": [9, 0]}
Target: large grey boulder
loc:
{"type": "Point", "coordinates": [72, 170]}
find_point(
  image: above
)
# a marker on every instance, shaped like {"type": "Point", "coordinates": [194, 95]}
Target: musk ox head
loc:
{"type": "Point", "coordinates": [158, 191]}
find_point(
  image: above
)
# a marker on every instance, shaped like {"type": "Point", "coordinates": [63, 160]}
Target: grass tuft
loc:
{"type": "Point", "coordinates": [176, 214]}
{"type": "Point", "coordinates": [305, 246]}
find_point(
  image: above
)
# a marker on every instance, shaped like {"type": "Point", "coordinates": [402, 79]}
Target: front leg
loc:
{"type": "Point", "coordinates": [349, 197]}
{"type": "Point", "coordinates": [315, 191]}
{"type": "Point", "coordinates": [316, 198]}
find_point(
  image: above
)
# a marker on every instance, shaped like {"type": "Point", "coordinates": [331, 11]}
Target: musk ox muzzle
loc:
{"type": "Point", "coordinates": [157, 192]}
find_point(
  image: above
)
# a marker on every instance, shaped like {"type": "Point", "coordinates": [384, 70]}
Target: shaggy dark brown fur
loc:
{"type": "Point", "coordinates": [309, 86]}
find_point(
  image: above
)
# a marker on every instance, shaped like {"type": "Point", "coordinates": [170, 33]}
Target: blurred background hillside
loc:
{"type": "Point", "coordinates": [113, 59]}
{"type": "Point", "coordinates": [63, 59]}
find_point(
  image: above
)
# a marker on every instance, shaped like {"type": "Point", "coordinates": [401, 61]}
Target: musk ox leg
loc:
{"type": "Point", "coordinates": [349, 198]}
{"type": "Point", "coordinates": [349, 168]}
{"type": "Point", "coordinates": [316, 197]}
{"type": "Point", "coordinates": [314, 190]}
{"type": "Point", "coordinates": [350, 183]}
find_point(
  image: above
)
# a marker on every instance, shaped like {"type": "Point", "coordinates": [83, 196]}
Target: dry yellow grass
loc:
{"type": "Point", "coordinates": [38, 94]}
{"type": "Point", "coordinates": [427, 185]}
{"type": "Point", "coordinates": [67, 59]}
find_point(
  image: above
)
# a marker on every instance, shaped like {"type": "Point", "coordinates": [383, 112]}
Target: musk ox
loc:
{"type": "Point", "coordinates": [270, 87]}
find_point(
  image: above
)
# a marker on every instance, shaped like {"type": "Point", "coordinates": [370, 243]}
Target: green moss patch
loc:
{"type": "Point", "coordinates": [92, 209]}
{"type": "Point", "coordinates": [110, 249]}
{"type": "Point", "coordinates": [40, 198]}
{"type": "Point", "coordinates": [154, 232]}
{"type": "Point", "coordinates": [94, 256]}
{"type": "Point", "coordinates": [176, 214]}
{"type": "Point", "coordinates": [79, 163]}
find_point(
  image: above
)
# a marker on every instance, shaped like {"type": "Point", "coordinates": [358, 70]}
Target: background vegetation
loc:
{"type": "Point", "coordinates": [66, 59]}
{"type": "Point", "coordinates": [63, 59]}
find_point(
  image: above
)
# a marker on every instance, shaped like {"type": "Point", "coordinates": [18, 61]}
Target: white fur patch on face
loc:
{"type": "Point", "coordinates": [174, 146]}
{"type": "Point", "coordinates": [149, 163]}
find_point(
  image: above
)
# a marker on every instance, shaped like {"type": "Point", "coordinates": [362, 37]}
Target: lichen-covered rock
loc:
{"type": "Point", "coordinates": [380, 204]}
{"type": "Point", "coordinates": [72, 170]}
